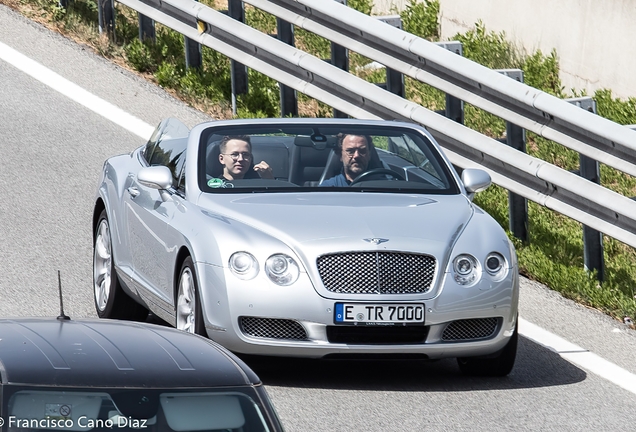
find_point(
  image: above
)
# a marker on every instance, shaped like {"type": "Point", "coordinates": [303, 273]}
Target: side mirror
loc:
{"type": "Point", "coordinates": [475, 180]}
{"type": "Point", "coordinates": [156, 177]}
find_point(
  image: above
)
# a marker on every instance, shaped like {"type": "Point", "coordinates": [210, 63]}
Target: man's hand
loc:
{"type": "Point", "coordinates": [264, 170]}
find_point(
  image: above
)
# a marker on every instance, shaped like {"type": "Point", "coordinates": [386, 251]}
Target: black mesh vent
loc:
{"type": "Point", "coordinates": [377, 335]}
{"type": "Point", "coordinates": [471, 329]}
{"type": "Point", "coordinates": [272, 328]}
{"type": "Point", "coordinates": [376, 272]}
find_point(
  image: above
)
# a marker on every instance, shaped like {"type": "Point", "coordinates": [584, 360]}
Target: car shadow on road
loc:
{"type": "Point", "coordinates": [536, 366]}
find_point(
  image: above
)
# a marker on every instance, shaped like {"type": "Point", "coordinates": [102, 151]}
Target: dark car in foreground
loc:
{"type": "Point", "coordinates": [105, 375]}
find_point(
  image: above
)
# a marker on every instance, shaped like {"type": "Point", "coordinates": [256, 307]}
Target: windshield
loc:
{"type": "Point", "coordinates": [148, 410]}
{"type": "Point", "coordinates": [319, 158]}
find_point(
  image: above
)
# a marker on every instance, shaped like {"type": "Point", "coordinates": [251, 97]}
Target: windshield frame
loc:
{"type": "Point", "coordinates": [442, 165]}
{"type": "Point", "coordinates": [254, 398]}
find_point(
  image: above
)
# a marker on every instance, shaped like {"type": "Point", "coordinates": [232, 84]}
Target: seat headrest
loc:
{"type": "Point", "coordinates": [213, 167]}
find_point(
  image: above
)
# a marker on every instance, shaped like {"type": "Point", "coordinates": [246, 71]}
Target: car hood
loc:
{"type": "Point", "coordinates": [333, 221]}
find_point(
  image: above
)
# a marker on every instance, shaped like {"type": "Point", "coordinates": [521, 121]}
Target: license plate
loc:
{"type": "Point", "coordinates": [379, 314]}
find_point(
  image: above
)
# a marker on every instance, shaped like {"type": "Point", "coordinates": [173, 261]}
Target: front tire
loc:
{"type": "Point", "coordinates": [110, 299]}
{"type": "Point", "coordinates": [188, 311]}
{"type": "Point", "coordinates": [496, 366]}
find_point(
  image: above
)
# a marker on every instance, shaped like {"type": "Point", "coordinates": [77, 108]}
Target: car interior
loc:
{"type": "Point", "coordinates": [304, 161]}
{"type": "Point", "coordinates": [131, 410]}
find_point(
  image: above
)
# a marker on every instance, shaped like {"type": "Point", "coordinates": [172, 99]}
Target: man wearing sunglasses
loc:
{"type": "Point", "coordinates": [237, 160]}
{"type": "Point", "coordinates": [355, 154]}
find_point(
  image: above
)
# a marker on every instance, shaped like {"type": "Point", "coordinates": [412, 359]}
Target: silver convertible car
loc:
{"type": "Point", "coordinates": [307, 238]}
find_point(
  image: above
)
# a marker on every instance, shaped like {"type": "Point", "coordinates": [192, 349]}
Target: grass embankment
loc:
{"type": "Point", "coordinates": [554, 253]}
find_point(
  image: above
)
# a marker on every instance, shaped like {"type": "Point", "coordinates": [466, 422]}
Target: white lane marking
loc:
{"type": "Point", "coordinates": [572, 353]}
{"type": "Point", "coordinates": [579, 356]}
{"type": "Point", "coordinates": [75, 92]}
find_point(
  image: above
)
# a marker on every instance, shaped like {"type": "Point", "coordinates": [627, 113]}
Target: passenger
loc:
{"type": "Point", "coordinates": [355, 153]}
{"type": "Point", "coordinates": [235, 154]}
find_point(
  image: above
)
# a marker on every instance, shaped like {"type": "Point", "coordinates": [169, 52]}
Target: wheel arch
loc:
{"type": "Point", "coordinates": [183, 253]}
{"type": "Point", "coordinates": [97, 211]}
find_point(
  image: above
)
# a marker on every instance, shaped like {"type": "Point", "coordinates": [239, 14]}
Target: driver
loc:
{"type": "Point", "coordinates": [355, 154]}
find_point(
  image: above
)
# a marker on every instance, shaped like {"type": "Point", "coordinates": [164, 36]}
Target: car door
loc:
{"type": "Point", "coordinates": [148, 215]}
{"type": "Point", "coordinates": [146, 220]}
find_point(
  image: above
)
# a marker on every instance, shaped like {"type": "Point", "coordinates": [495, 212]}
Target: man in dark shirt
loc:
{"type": "Point", "coordinates": [355, 154]}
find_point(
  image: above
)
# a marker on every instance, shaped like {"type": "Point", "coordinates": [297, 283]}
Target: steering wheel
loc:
{"type": "Point", "coordinates": [376, 171]}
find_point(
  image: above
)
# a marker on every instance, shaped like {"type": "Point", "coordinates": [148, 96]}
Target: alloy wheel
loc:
{"type": "Point", "coordinates": [102, 266]}
{"type": "Point", "coordinates": [186, 302]}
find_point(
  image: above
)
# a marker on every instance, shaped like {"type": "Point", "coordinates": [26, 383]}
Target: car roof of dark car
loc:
{"type": "Point", "coordinates": [109, 353]}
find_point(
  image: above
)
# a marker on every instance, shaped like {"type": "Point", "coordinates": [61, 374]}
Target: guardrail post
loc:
{"type": "Point", "coordinates": [340, 59]}
{"type": "Point", "coordinates": [454, 106]}
{"type": "Point", "coordinates": [593, 258]}
{"type": "Point", "coordinates": [238, 71]}
{"type": "Point", "coordinates": [394, 79]}
{"type": "Point", "coordinates": [146, 28]}
{"type": "Point", "coordinates": [106, 17]}
{"type": "Point", "coordinates": [516, 138]}
{"type": "Point", "coordinates": [288, 97]}
{"type": "Point", "coordinates": [193, 56]}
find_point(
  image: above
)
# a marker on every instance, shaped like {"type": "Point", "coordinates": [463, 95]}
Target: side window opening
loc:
{"type": "Point", "coordinates": [408, 150]}
{"type": "Point", "coordinates": [180, 184]}
{"type": "Point", "coordinates": [170, 153]}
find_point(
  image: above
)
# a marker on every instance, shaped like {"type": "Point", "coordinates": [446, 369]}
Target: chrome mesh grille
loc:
{"type": "Point", "coordinates": [376, 272]}
{"type": "Point", "coordinates": [470, 329]}
{"type": "Point", "coordinates": [272, 328]}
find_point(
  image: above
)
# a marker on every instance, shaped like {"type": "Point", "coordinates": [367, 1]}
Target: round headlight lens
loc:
{"type": "Point", "coordinates": [466, 269]}
{"type": "Point", "coordinates": [496, 266]}
{"type": "Point", "coordinates": [281, 269]}
{"type": "Point", "coordinates": [244, 265]}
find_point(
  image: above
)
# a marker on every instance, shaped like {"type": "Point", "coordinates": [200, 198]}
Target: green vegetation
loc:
{"type": "Point", "coordinates": [554, 254]}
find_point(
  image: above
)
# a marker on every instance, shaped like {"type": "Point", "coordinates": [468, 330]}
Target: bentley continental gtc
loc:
{"type": "Point", "coordinates": [307, 238]}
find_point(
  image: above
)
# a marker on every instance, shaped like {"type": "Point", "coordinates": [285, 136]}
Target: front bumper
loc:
{"type": "Point", "coordinates": [258, 317]}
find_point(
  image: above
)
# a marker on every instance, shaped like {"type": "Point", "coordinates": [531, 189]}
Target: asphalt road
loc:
{"type": "Point", "coordinates": [51, 151]}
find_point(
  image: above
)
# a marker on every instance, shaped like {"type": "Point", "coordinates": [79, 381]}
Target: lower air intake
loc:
{"type": "Point", "coordinates": [272, 328]}
{"type": "Point", "coordinates": [377, 335]}
{"type": "Point", "coordinates": [471, 329]}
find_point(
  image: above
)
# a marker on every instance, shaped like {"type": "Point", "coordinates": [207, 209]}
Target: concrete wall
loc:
{"type": "Point", "coordinates": [383, 7]}
{"type": "Point", "coordinates": [595, 40]}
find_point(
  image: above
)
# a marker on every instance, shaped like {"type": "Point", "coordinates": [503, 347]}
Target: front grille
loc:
{"type": "Point", "coordinates": [377, 335]}
{"type": "Point", "coordinates": [471, 329]}
{"type": "Point", "coordinates": [376, 272]}
{"type": "Point", "coordinates": [272, 328]}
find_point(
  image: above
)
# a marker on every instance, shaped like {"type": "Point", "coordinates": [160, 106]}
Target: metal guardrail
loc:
{"type": "Point", "coordinates": [532, 178]}
{"type": "Point", "coordinates": [525, 106]}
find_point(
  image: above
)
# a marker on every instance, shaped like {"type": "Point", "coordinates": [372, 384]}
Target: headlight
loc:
{"type": "Point", "coordinates": [466, 269]}
{"type": "Point", "coordinates": [496, 266]}
{"type": "Point", "coordinates": [281, 269]}
{"type": "Point", "coordinates": [243, 265]}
